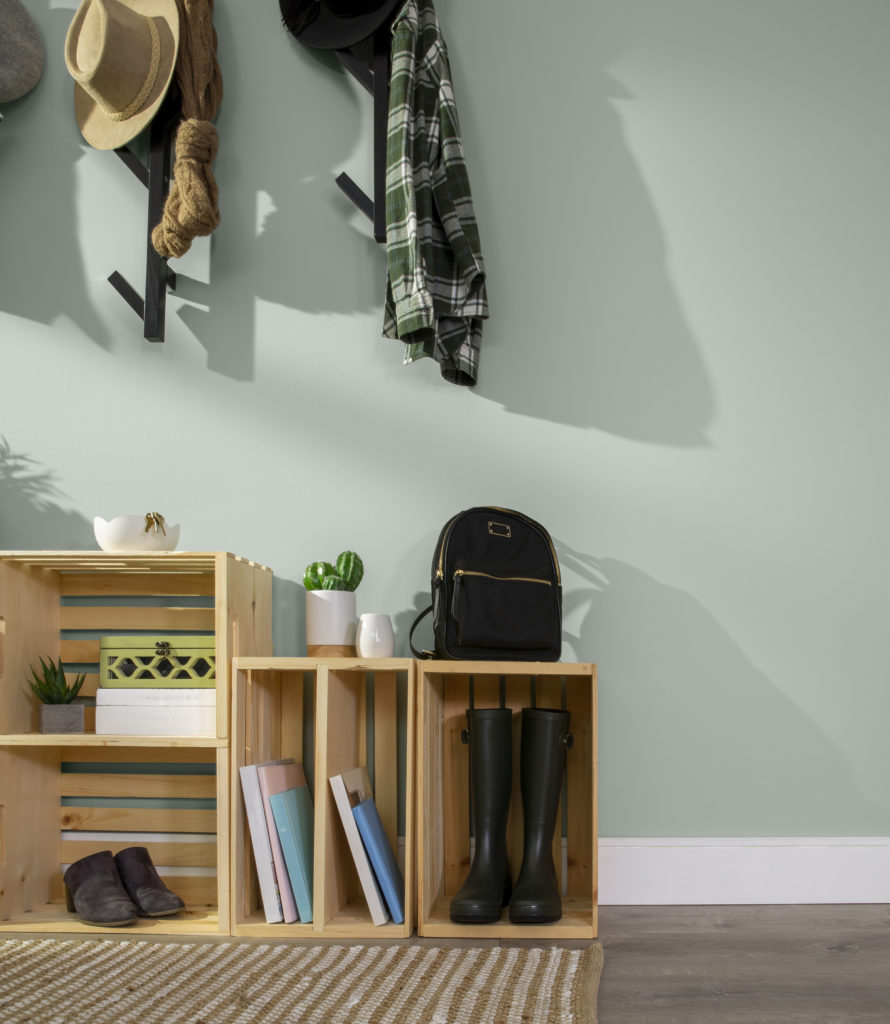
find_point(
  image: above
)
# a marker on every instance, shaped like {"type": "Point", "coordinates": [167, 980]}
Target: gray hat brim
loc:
{"type": "Point", "coordinates": [21, 51]}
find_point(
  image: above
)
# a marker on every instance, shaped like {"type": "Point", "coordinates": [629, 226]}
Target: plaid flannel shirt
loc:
{"type": "Point", "coordinates": [435, 293]}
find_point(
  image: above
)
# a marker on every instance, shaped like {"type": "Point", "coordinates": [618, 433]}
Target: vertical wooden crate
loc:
{"type": "Point", "coordinates": [443, 845]}
{"type": "Point", "coordinates": [63, 797]}
{"type": "Point", "coordinates": [268, 723]}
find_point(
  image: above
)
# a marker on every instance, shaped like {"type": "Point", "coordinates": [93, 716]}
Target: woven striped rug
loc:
{"type": "Point", "coordinates": [110, 981]}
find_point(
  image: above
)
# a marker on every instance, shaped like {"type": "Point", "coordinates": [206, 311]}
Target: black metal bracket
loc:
{"type": "Point", "coordinates": [375, 79]}
{"type": "Point", "coordinates": [156, 178]}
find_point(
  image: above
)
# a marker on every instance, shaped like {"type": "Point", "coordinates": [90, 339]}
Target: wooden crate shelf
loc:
{"type": "Point", "coordinates": [443, 843]}
{"type": "Point", "coordinates": [65, 796]}
{"type": "Point", "coordinates": [268, 722]}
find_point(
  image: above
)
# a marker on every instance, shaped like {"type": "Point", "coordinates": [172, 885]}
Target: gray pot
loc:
{"type": "Point", "coordinates": [61, 718]}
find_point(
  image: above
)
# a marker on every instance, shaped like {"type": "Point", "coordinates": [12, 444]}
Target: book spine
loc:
{"type": "Point", "coordinates": [382, 858]}
{"type": "Point", "coordinates": [285, 889]}
{"type": "Point", "coordinates": [293, 843]}
{"type": "Point", "coordinates": [262, 848]}
{"type": "Point", "coordinates": [373, 897]}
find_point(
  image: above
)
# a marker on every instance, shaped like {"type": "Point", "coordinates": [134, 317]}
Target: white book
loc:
{"type": "Point", "coordinates": [155, 720]}
{"type": "Point", "coordinates": [262, 847]}
{"type": "Point", "coordinates": [154, 696]}
{"type": "Point", "coordinates": [350, 789]}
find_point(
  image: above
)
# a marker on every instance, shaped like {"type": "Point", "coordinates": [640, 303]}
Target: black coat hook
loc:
{"type": "Point", "coordinates": [156, 178]}
{"type": "Point", "coordinates": [375, 79]}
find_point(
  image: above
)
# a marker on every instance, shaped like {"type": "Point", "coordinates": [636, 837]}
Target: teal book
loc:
{"type": "Point", "coordinates": [383, 860]}
{"type": "Point", "coordinates": [292, 811]}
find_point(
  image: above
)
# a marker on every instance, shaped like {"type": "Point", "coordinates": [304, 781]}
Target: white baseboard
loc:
{"type": "Point", "coordinates": [644, 872]}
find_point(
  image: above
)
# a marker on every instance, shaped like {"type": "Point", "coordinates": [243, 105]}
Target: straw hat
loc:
{"type": "Point", "coordinates": [21, 51]}
{"type": "Point", "coordinates": [121, 55]}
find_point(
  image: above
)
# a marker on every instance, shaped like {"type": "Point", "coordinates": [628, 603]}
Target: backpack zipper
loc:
{"type": "Point", "coordinates": [440, 574]}
{"type": "Point", "coordinates": [506, 579]}
{"type": "Point", "coordinates": [460, 573]}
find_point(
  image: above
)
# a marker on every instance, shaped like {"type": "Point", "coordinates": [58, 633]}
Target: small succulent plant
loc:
{"type": "Point", "coordinates": [51, 687]}
{"type": "Point", "coordinates": [344, 574]}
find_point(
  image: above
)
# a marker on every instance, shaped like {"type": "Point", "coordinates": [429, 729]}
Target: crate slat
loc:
{"type": "Point", "coordinates": [197, 755]}
{"type": "Point", "coordinates": [195, 890]}
{"type": "Point", "coordinates": [201, 787]}
{"type": "Point", "coordinates": [136, 819]}
{"type": "Point", "coordinates": [156, 584]}
{"type": "Point", "coordinates": [181, 855]}
{"type": "Point", "coordinates": [148, 619]}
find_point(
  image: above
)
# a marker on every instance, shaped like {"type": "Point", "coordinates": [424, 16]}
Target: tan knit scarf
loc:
{"type": "Point", "coordinates": [191, 207]}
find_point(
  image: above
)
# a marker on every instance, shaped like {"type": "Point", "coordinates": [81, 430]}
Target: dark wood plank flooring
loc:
{"type": "Point", "coordinates": [745, 965]}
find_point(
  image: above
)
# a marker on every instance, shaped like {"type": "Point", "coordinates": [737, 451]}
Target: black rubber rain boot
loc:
{"type": "Point", "coordinates": [143, 883]}
{"type": "Point", "coordinates": [94, 892]}
{"type": "Point", "coordinates": [542, 763]}
{"type": "Point", "coordinates": [487, 887]}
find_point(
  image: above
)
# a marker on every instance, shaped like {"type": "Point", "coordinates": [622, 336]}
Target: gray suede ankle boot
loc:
{"type": "Point", "coordinates": [94, 892]}
{"type": "Point", "coordinates": [143, 883]}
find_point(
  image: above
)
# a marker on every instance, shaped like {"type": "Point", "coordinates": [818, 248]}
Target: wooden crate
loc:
{"type": "Point", "coordinates": [268, 722]}
{"type": "Point", "coordinates": [443, 843]}
{"type": "Point", "coordinates": [64, 797]}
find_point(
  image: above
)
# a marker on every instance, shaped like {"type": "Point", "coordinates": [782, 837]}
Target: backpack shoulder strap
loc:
{"type": "Point", "coordinates": [415, 624]}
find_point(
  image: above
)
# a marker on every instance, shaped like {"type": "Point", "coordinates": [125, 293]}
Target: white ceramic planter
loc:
{"type": "Point", "coordinates": [330, 623]}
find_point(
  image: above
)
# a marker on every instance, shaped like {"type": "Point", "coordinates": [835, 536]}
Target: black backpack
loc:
{"type": "Point", "coordinates": [497, 593]}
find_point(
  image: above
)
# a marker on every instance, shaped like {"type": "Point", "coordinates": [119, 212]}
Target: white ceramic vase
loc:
{"type": "Point", "coordinates": [374, 636]}
{"type": "Point", "coordinates": [330, 623]}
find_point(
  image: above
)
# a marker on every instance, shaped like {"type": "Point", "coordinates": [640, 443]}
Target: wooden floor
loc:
{"type": "Point", "coordinates": [745, 965]}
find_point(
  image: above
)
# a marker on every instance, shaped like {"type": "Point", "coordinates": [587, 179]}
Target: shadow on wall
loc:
{"type": "Point", "coordinates": [40, 145]}
{"type": "Point", "coordinates": [587, 326]}
{"type": "Point", "coordinates": [403, 621]}
{"type": "Point", "coordinates": [289, 621]}
{"type": "Point", "coordinates": [29, 516]}
{"type": "Point", "coordinates": [709, 745]}
{"type": "Point", "coordinates": [286, 236]}
{"type": "Point", "coordinates": [288, 618]}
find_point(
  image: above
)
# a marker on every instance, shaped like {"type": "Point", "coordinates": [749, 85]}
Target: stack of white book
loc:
{"type": "Point", "coordinates": [156, 711]}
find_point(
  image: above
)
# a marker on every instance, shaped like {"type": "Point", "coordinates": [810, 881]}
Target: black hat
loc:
{"type": "Point", "coordinates": [335, 24]}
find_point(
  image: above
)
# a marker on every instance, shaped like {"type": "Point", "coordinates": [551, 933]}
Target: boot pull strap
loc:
{"type": "Point", "coordinates": [465, 736]}
{"type": "Point", "coordinates": [567, 740]}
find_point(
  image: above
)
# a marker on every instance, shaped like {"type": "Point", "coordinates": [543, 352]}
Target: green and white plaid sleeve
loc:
{"type": "Point", "coordinates": [436, 298]}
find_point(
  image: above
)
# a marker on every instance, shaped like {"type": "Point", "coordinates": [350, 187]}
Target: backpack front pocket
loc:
{"type": "Point", "coordinates": [511, 612]}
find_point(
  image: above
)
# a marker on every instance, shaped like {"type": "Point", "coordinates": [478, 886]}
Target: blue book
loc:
{"type": "Point", "coordinates": [383, 860]}
{"type": "Point", "coordinates": [292, 811]}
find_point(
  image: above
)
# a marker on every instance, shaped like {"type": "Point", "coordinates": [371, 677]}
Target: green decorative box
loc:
{"type": "Point", "coordinates": [147, 661]}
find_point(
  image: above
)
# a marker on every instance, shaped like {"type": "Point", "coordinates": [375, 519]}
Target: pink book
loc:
{"type": "Point", "coordinates": [276, 778]}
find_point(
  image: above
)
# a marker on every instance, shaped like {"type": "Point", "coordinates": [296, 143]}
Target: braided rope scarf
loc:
{"type": "Point", "coordinates": [191, 208]}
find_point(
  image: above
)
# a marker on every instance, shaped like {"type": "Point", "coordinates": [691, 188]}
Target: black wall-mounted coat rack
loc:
{"type": "Point", "coordinates": [375, 78]}
{"type": "Point", "coordinates": [156, 178]}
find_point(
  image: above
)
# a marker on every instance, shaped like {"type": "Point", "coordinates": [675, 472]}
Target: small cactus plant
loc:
{"type": "Point", "coordinates": [51, 686]}
{"type": "Point", "coordinates": [345, 574]}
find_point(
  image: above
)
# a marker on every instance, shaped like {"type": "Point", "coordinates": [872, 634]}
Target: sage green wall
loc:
{"type": "Point", "coordinates": [685, 214]}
